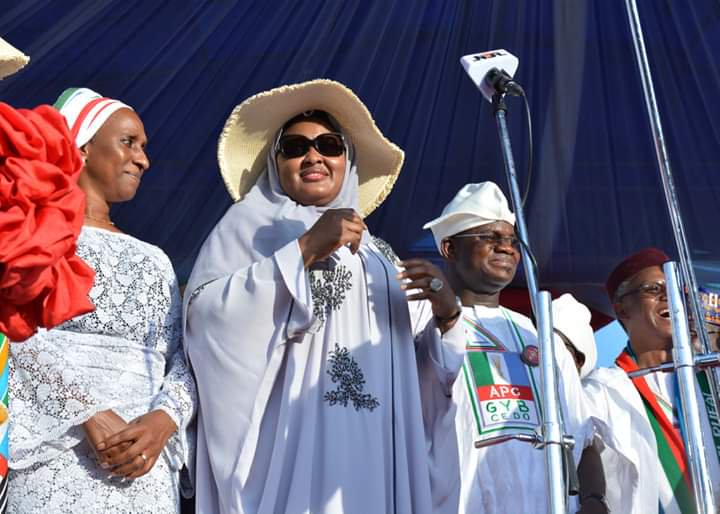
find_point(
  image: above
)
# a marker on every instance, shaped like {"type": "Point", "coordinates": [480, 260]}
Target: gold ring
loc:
{"type": "Point", "coordinates": [143, 457]}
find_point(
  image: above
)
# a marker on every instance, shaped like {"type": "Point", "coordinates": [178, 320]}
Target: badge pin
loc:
{"type": "Point", "coordinates": [530, 355]}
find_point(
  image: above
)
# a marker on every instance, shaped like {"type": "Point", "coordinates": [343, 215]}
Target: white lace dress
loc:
{"type": "Point", "coordinates": [126, 356]}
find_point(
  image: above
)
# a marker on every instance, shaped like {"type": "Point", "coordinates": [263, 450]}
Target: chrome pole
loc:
{"type": "Point", "coordinates": [707, 360]}
{"type": "Point", "coordinates": [516, 200]}
{"type": "Point", "coordinates": [551, 430]}
{"type": "Point", "coordinates": [671, 199]}
{"type": "Point", "coordinates": [685, 373]}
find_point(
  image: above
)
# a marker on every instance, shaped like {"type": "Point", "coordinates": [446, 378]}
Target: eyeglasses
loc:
{"type": "Point", "coordinates": [653, 289]}
{"type": "Point", "coordinates": [329, 144]}
{"type": "Point", "coordinates": [495, 240]}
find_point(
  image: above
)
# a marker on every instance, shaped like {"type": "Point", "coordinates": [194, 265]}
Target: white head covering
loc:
{"type": "Point", "coordinates": [572, 319]}
{"type": "Point", "coordinates": [86, 111]}
{"type": "Point", "coordinates": [265, 220]}
{"type": "Point", "coordinates": [474, 205]}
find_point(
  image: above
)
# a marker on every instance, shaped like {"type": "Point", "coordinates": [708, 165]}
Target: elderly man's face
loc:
{"type": "Point", "coordinates": [485, 257]}
{"type": "Point", "coordinates": [643, 307]}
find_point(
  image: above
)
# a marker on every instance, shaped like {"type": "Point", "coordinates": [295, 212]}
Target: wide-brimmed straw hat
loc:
{"type": "Point", "coordinates": [11, 59]}
{"type": "Point", "coordinates": [250, 130]}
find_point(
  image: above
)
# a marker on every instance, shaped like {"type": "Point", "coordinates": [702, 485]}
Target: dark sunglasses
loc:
{"type": "Point", "coordinates": [329, 144]}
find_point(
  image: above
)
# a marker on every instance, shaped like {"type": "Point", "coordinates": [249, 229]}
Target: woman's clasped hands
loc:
{"type": "Point", "coordinates": [128, 450]}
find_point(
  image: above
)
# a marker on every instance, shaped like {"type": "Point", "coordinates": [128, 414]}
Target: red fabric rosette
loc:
{"type": "Point", "coordinates": [42, 281]}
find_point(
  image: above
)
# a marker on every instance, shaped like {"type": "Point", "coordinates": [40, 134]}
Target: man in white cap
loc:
{"type": "Point", "coordinates": [497, 391]}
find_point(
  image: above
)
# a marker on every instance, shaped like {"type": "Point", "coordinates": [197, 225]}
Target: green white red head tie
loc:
{"type": "Point", "coordinates": [86, 111]}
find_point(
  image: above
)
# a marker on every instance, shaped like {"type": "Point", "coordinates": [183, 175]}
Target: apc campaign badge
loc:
{"type": "Point", "coordinates": [503, 392]}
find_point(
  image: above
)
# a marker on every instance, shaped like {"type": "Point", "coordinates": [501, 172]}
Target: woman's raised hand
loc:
{"type": "Point", "coordinates": [335, 228]}
{"type": "Point", "coordinates": [132, 452]}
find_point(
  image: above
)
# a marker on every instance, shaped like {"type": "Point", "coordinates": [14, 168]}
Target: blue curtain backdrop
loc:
{"type": "Point", "coordinates": [596, 194]}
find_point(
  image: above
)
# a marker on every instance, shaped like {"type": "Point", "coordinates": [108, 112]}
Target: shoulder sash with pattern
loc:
{"type": "Point", "coordinates": [670, 445]}
{"type": "Point", "coordinates": [501, 388]}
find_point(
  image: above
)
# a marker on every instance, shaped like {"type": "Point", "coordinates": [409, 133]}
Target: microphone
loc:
{"type": "Point", "coordinates": [492, 72]}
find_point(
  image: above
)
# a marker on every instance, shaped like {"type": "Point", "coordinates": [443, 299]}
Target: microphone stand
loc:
{"type": "Point", "coordinates": [550, 435]}
{"type": "Point", "coordinates": [701, 362]}
{"type": "Point", "coordinates": [671, 199]}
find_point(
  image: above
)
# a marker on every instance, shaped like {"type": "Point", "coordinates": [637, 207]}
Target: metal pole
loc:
{"type": "Point", "coordinates": [706, 360]}
{"type": "Point", "coordinates": [671, 200]}
{"type": "Point", "coordinates": [516, 198]}
{"type": "Point", "coordinates": [551, 430]}
{"type": "Point", "coordinates": [685, 373]}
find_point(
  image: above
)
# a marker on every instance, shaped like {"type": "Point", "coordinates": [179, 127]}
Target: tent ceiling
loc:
{"type": "Point", "coordinates": [596, 195]}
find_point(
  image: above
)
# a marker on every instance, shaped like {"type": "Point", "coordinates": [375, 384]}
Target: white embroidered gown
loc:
{"type": "Point", "coordinates": [126, 356]}
{"type": "Point", "coordinates": [331, 420]}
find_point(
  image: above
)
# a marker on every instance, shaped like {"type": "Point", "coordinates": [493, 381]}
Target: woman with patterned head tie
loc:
{"type": "Point", "coordinates": [101, 403]}
{"type": "Point", "coordinates": [315, 393]}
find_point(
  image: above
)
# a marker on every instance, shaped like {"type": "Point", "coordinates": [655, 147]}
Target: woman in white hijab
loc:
{"type": "Point", "coordinates": [298, 329]}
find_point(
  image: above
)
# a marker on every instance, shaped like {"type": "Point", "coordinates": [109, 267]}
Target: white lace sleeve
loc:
{"type": "Point", "coordinates": [125, 356]}
{"type": "Point", "coordinates": [50, 398]}
{"type": "Point", "coordinates": [178, 395]}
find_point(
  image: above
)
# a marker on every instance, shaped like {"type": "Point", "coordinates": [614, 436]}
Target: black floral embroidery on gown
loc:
{"type": "Point", "coordinates": [328, 287]}
{"type": "Point", "coordinates": [350, 379]}
{"type": "Point", "coordinates": [386, 250]}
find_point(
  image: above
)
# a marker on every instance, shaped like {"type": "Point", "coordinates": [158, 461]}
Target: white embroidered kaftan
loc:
{"type": "Point", "coordinates": [312, 404]}
{"type": "Point", "coordinates": [125, 356]}
{"type": "Point", "coordinates": [635, 479]}
{"type": "Point", "coordinates": [510, 477]}
{"type": "Point", "coordinates": [309, 380]}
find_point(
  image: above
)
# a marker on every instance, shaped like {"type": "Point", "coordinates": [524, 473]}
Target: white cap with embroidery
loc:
{"type": "Point", "coordinates": [474, 205]}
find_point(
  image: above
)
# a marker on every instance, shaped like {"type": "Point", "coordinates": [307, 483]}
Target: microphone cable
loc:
{"type": "Point", "coordinates": [528, 177]}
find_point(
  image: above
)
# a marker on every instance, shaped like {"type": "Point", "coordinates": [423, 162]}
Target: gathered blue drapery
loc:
{"type": "Point", "coordinates": [596, 192]}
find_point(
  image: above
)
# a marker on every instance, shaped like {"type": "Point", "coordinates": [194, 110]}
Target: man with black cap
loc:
{"type": "Point", "coordinates": [497, 390]}
{"type": "Point", "coordinates": [644, 454]}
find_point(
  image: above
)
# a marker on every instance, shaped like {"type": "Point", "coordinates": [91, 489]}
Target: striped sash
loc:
{"type": "Point", "coordinates": [670, 445]}
{"type": "Point", "coordinates": [502, 389]}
